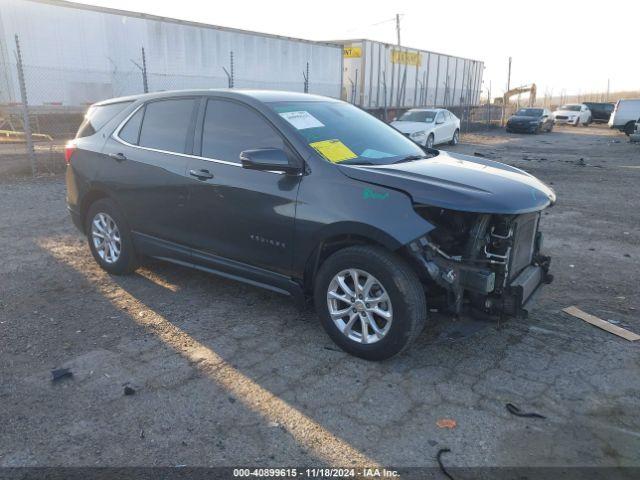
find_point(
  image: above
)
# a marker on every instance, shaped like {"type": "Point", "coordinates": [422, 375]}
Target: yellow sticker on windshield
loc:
{"type": "Point", "coordinates": [333, 150]}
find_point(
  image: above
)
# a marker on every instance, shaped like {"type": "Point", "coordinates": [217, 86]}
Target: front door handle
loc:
{"type": "Point", "coordinates": [119, 157]}
{"type": "Point", "coordinates": [201, 174]}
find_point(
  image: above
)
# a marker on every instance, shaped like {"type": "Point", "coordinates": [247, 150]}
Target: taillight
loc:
{"type": "Point", "coordinates": [69, 148]}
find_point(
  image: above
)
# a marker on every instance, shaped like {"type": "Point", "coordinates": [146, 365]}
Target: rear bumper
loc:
{"type": "Point", "coordinates": [76, 218]}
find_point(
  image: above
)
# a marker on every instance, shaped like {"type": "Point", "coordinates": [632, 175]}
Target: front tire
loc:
{"type": "Point", "coordinates": [429, 142]}
{"type": "Point", "coordinates": [629, 128]}
{"type": "Point", "coordinates": [456, 138]}
{"type": "Point", "coordinates": [109, 238]}
{"type": "Point", "coordinates": [370, 302]}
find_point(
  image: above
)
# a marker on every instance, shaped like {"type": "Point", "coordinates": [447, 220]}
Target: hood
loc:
{"type": "Point", "coordinates": [460, 182]}
{"type": "Point", "coordinates": [522, 118]}
{"type": "Point", "coordinates": [412, 127]}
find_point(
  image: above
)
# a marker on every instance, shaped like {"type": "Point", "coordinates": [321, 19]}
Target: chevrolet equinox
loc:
{"type": "Point", "coordinates": [309, 197]}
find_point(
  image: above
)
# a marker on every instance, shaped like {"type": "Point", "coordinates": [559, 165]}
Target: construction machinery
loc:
{"type": "Point", "coordinates": [530, 89]}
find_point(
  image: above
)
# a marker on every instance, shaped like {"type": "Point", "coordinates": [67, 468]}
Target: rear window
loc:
{"type": "Point", "coordinates": [166, 124]}
{"type": "Point", "coordinates": [130, 133]}
{"type": "Point", "coordinates": [97, 117]}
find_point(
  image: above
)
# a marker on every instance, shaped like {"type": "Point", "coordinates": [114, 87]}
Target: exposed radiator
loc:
{"type": "Point", "coordinates": [526, 227]}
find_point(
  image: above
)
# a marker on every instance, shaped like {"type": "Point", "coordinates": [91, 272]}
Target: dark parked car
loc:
{"type": "Point", "coordinates": [600, 112]}
{"type": "Point", "coordinates": [530, 120]}
{"type": "Point", "coordinates": [310, 197]}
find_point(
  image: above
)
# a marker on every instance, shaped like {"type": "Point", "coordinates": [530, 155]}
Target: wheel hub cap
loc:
{"type": "Point", "coordinates": [359, 306]}
{"type": "Point", "coordinates": [106, 239]}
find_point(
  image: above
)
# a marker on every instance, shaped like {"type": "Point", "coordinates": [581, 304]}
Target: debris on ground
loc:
{"type": "Point", "coordinates": [441, 465]}
{"type": "Point", "coordinates": [60, 373]}
{"type": "Point", "coordinates": [129, 390]}
{"type": "Point", "coordinates": [478, 154]}
{"type": "Point", "coordinates": [603, 324]}
{"type": "Point", "coordinates": [513, 410]}
{"type": "Point", "coordinates": [447, 423]}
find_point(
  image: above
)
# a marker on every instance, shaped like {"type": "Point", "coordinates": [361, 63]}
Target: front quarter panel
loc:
{"type": "Point", "coordinates": [330, 204]}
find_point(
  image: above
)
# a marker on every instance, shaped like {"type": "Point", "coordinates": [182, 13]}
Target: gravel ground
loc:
{"type": "Point", "coordinates": [227, 374]}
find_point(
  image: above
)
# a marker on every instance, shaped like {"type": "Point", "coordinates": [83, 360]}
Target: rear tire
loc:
{"type": "Point", "coordinates": [109, 238]}
{"type": "Point", "coordinates": [391, 276]}
{"type": "Point", "coordinates": [456, 138]}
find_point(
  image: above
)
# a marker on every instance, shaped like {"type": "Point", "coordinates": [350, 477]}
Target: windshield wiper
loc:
{"type": "Point", "coordinates": [410, 158]}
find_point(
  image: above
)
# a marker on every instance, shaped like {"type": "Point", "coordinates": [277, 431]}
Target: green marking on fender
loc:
{"type": "Point", "coordinates": [368, 194]}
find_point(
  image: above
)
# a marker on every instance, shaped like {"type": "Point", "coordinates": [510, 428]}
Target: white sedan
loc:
{"type": "Point", "coordinates": [572, 114]}
{"type": "Point", "coordinates": [429, 127]}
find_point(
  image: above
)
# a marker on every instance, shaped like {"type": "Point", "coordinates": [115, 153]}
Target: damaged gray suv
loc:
{"type": "Point", "coordinates": [312, 198]}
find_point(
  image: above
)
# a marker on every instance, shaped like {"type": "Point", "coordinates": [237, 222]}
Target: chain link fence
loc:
{"type": "Point", "coordinates": [42, 107]}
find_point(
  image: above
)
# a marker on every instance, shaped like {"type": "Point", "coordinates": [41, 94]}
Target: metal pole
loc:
{"type": "Point", "coordinates": [232, 79]}
{"type": "Point", "coordinates": [145, 83]}
{"type": "Point", "coordinates": [25, 110]}
{"type": "Point", "coordinates": [384, 91]}
{"type": "Point", "coordinates": [306, 79]}
{"type": "Point", "coordinates": [505, 99]}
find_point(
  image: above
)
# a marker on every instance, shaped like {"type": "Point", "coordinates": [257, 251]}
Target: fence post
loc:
{"type": "Point", "coordinates": [306, 79]}
{"type": "Point", "coordinates": [145, 82]}
{"type": "Point", "coordinates": [229, 73]}
{"type": "Point", "coordinates": [31, 154]}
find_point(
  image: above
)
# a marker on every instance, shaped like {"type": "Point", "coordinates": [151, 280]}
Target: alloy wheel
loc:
{"type": "Point", "coordinates": [429, 141]}
{"type": "Point", "coordinates": [106, 238]}
{"type": "Point", "coordinates": [359, 306]}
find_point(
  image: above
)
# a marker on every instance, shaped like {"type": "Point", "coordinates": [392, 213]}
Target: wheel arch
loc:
{"type": "Point", "coordinates": [335, 239]}
{"type": "Point", "coordinates": [89, 199]}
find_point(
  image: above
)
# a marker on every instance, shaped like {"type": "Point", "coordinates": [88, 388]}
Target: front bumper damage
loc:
{"type": "Point", "coordinates": [498, 279]}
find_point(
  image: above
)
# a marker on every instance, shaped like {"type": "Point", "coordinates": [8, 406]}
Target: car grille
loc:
{"type": "Point", "coordinates": [561, 117]}
{"type": "Point", "coordinates": [526, 227]}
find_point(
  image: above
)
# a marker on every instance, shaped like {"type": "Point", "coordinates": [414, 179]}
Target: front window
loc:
{"type": "Point", "coordinates": [342, 133]}
{"type": "Point", "coordinates": [529, 112]}
{"type": "Point", "coordinates": [425, 116]}
{"type": "Point", "coordinates": [571, 108]}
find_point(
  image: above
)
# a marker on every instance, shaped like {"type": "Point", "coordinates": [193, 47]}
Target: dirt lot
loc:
{"type": "Point", "coordinates": [227, 374]}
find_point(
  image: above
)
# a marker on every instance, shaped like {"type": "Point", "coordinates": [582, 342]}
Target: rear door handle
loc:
{"type": "Point", "coordinates": [120, 157]}
{"type": "Point", "coordinates": [201, 174]}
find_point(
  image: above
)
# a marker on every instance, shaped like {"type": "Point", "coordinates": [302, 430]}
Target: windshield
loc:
{"type": "Point", "coordinates": [571, 108]}
{"type": "Point", "coordinates": [426, 116]}
{"type": "Point", "coordinates": [529, 112]}
{"type": "Point", "coordinates": [342, 133]}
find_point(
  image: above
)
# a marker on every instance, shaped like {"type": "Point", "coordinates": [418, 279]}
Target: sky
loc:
{"type": "Point", "coordinates": [564, 46]}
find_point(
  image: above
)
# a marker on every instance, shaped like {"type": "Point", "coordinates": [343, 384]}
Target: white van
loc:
{"type": "Point", "coordinates": [625, 114]}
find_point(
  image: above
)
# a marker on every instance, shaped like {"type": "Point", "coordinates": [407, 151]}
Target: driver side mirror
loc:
{"type": "Point", "coordinates": [268, 159]}
{"type": "Point", "coordinates": [438, 122]}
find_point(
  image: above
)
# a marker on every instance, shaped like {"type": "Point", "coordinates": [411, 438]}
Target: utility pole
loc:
{"type": "Point", "coordinates": [398, 58]}
{"type": "Point", "coordinates": [505, 99]}
{"type": "Point", "coordinates": [608, 89]}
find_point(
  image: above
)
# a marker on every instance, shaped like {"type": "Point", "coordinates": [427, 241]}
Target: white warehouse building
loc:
{"type": "Point", "coordinates": [379, 75]}
{"type": "Point", "coordinates": [75, 54]}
